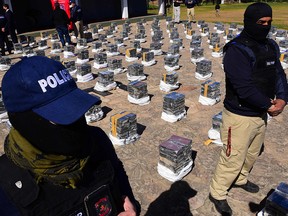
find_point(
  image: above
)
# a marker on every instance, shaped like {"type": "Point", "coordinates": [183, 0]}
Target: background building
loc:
{"type": "Point", "coordinates": [33, 15]}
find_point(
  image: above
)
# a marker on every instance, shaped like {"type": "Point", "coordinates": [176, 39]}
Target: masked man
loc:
{"type": "Point", "coordinates": [255, 85]}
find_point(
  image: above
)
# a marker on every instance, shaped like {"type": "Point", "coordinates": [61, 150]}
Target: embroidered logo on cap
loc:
{"type": "Point", "coordinates": [18, 184]}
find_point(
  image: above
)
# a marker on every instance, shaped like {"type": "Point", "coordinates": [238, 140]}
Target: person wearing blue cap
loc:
{"type": "Point", "coordinates": [54, 163]}
{"type": "Point", "coordinates": [256, 85]}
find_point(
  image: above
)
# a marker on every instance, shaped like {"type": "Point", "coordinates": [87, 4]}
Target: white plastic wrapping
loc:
{"type": "Point", "coordinates": [173, 118]}
{"type": "Point", "coordinates": [130, 59]}
{"type": "Point", "coordinates": [167, 87]}
{"type": "Point", "coordinates": [117, 141]}
{"type": "Point", "coordinates": [169, 69]}
{"type": "Point", "coordinates": [217, 54]}
{"type": "Point", "coordinates": [98, 66]}
{"type": "Point", "coordinates": [140, 101]}
{"type": "Point", "coordinates": [118, 70]}
{"type": "Point", "coordinates": [284, 65]}
{"type": "Point", "coordinates": [67, 54]}
{"type": "Point", "coordinates": [109, 54]}
{"type": "Point", "coordinates": [42, 48]}
{"type": "Point", "coordinates": [94, 117]}
{"type": "Point", "coordinates": [101, 88]}
{"type": "Point", "coordinates": [157, 52]}
{"type": "Point", "coordinates": [149, 63]}
{"type": "Point", "coordinates": [134, 78]}
{"type": "Point", "coordinates": [195, 60]}
{"type": "Point", "coordinates": [201, 77]}
{"type": "Point", "coordinates": [97, 50]}
{"type": "Point", "coordinates": [81, 47]}
{"type": "Point", "coordinates": [85, 78]}
{"type": "Point", "coordinates": [54, 51]}
{"type": "Point", "coordinates": [170, 175]}
{"type": "Point", "coordinates": [208, 101]}
{"type": "Point", "coordinates": [81, 61]}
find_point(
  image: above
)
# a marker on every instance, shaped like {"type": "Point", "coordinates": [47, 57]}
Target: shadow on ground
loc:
{"type": "Point", "coordinates": [173, 201]}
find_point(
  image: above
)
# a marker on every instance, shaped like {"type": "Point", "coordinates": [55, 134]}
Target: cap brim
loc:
{"type": "Point", "coordinates": [68, 108]}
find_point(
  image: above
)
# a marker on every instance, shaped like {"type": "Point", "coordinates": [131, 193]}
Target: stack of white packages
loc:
{"type": "Point", "coordinates": [217, 50]}
{"type": "Point", "coordinates": [18, 48]}
{"type": "Point", "coordinates": [123, 128]}
{"type": "Point", "coordinates": [203, 68]}
{"type": "Point", "coordinates": [71, 67]}
{"type": "Point", "coordinates": [136, 72]}
{"type": "Point", "coordinates": [106, 81]}
{"type": "Point", "coordinates": [56, 48]}
{"type": "Point", "coordinates": [100, 60]}
{"type": "Point", "coordinates": [148, 59]}
{"type": "Point", "coordinates": [214, 131]}
{"type": "Point", "coordinates": [197, 53]}
{"type": "Point", "coordinates": [171, 62]}
{"type": "Point", "coordinates": [94, 114]}
{"type": "Point", "coordinates": [82, 56]}
{"type": "Point", "coordinates": [84, 73]}
{"type": "Point", "coordinates": [69, 51]}
{"type": "Point", "coordinates": [42, 45]}
{"type": "Point", "coordinates": [169, 81]}
{"type": "Point", "coordinates": [97, 47]}
{"type": "Point", "coordinates": [131, 54]}
{"type": "Point", "coordinates": [112, 50]}
{"type": "Point", "coordinates": [5, 63]}
{"type": "Point", "coordinates": [210, 93]}
{"type": "Point", "coordinates": [115, 65]}
{"type": "Point", "coordinates": [81, 43]}
{"type": "Point", "coordinates": [138, 93]}
{"type": "Point", "coordinates": [40, 52]}
{"type": "Point", "coordinates": [28, 51]}
{"type": "Point", "coordinates": [173, 107]}
{"type": "Point", "coordinates": [175, 160]}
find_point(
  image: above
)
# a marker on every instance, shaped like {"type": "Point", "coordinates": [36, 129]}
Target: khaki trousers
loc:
{"type": "Point", "coordinates": [176, 14]}
{"type": "Point", "coordinates": [190, 14]}
{"type": "Point", "coordinates": [247, 137]}
{"type": "Point", "coordinates": [78, 28]}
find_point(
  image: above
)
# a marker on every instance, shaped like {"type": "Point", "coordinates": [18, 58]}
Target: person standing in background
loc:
{"type": "Point", "coordinates": [190, 4]}
{"type": "Point", "coordinates": [76, 18]}
{"type": "Point", "coordinates": [10, 24]}
{"type": "Point", "coordinates": [3, 36]}
{"type": "Point", "coordinates": [256, 84]}
{"type": "Point", "coordinates": [217, 10]}
{"type": "Point", "coordinates": [61, 22]}
{"type": "Point", "coordinates": [176, 10]}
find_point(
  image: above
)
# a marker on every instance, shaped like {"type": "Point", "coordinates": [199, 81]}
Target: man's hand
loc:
{"type": "Point", "coordinates": [277, 107]}
{"type": "Point", "coordinates": [129, 209]}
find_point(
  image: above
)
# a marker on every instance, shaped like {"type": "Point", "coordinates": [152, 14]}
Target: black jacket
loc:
{"type": "Point", "coordinates": [60, 17]}
{"type": "Point", "coordinates": [33, 199]}
{"type": "Point", "coordinates": [249, 99]}
{"type": "Point", "coordinates": [75, 13]}
{"type": "Point", "coordinates": [10, 24]}
{"type": "Point", "coordinates": [3, 22]}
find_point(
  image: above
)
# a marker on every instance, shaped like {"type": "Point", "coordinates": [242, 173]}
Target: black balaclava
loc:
{"type": "Point", "coordinates": [253, 13]}
{"type": "Point", "coordinates": [72, 139]}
